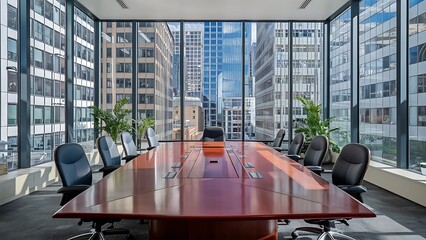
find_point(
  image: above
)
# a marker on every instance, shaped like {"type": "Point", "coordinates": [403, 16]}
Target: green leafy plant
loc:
{"type": "Point", "coordinates": [313, 125]}
{"type": "Point", "coordinates": [113, 122]}
{"type": "Point", "coordinates": [142, 125]}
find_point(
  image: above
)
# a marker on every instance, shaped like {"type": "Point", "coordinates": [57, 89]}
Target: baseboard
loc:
{"type": "Point", "coordinates": [407, 184]}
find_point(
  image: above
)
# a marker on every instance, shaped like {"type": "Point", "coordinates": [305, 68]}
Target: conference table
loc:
{"type": "Point", "coordinates": [213, 190]}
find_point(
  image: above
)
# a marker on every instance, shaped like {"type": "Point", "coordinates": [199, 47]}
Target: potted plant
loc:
{"type": "Point", "coordinates": [423, 168]}
{"type": "Point", "coordinates": [313, 125]}
{"type": "Point", "coordinates": [142, 125]}
{"type": "Point", "coordinates": [113, 122]}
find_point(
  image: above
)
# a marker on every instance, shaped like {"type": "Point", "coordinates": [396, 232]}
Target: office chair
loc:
{"type": "Point", "coordinates": [278, 141]}
{"type": "Point", "coordinates": [296, 145]}
{"type": "Point", "coordinates": [314, 155]}
{"type": "Point", "coordinates": [109, 154]}
{"type": "Point", "coordinates": [347, 174]}
{"type": "Point", "coordinates": [152, 138]}
{"type": "Point", "coordinates": [129, 146]}
{"type": "Point", "coordinates": [213, 134]}
{"type": "Point", "coordinates": [76, 175]}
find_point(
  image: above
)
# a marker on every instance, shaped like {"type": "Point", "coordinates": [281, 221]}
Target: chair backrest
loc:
{"type": "Point", "coordinates": [316, 152]}
{"type": "Point", "coordinates": [351, 165]}
{"type": "Point", "coordinates": [213, 134]}
{"type": "Point", "coordinates": [152, 138]}
{"type": "Point", "coordinates": [108, 151]}
{"type": "Point", "coordinates": [73, 165]}
{"type": "Point", "coordinates": [296, 145]}
{"type": "Point", "coordinates": [278, 141]}
{"type": "Point", "coordinates": [128, 144]}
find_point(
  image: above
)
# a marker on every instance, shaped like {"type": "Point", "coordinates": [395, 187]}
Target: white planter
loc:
{"type": "Point", "coordinates": [423, 168]}
{"type": "Point", "coordinates": [334, 156]}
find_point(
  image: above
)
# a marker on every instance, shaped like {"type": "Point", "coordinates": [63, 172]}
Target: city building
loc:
{"type": "Point", "coordinates": [232, 118]}
{"type": "Point", "coordinates": [273, 79]}
{"type": "Point", "coordinates": [193, 115]}
{"type": "Point", "coordinates": [154, 71]}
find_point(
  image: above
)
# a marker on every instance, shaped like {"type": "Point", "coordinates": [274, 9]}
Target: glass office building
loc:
{"type": "Point", "coordinates": [364, 65]}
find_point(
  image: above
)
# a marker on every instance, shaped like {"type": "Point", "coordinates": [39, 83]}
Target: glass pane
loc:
{"type": "Point", "coordinates": [48, 86]}
{"type": "Point", "coordinates": [307, 68]}
{"type": "Point", "coordinates": [116, 66]}
{"type": "Point", "coordinates": [377, 79]}
{"type": "Point", "coordinates": [84, 80]}
{"type": "Point", "coordinates": [155, 77]}
{"type": "Point", "coordinates": [8, 92]}
{"type": "Point", "coordinates": [417, 84]}
{"type": "Point", "coordinates": [340, 76]}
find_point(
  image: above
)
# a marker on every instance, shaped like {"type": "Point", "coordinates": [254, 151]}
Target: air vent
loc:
{"type": "Point", "coordinates": [303, 6]}
{"type": "Point", "coordinates": [122, 4]}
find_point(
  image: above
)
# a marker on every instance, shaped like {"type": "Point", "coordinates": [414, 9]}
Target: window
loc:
{"type": "Point", "coordinates": [39, 7]}
{"type": "Point", "coordinates": [12, 17]}
{"type": "Point", "coordinates": [38, 58]}
{"type": "Point", "coordinates": [11, 49]}
{"type": "Point", "coordinates": [12, 114]}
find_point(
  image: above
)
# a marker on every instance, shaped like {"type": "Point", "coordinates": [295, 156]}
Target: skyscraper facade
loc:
{"type": "Point", "coordinates": [154, 70]}
{"type": "Point", "coordinates": [213, 67]}
{"type": "Point", "coordinates": [193, 58]}
{"type": "Point", "coordinates": [271, 71]}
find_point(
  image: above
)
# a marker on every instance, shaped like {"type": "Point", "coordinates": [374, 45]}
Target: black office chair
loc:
{"type": "Point", "coordinates": [278, 141]}
{"type": "Point", "coordinates": [213, 134]}
{"type": "Point", "coordinates": [129, 146]}
{"type": "Point", "coordinates": [296, 145]}
{"type": "Point", "coordinates": [76, 175]}
{"type": "Point", "coordinates": [109, 154]}
{"type": "Point", "coordinates": [152, 138]}
{"type": "Point", "coordinates": [347, 174]}
{"type": "Point", "coordinates": [314, 155]}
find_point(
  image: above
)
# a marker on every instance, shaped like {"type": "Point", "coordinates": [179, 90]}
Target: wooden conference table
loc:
{"type": "Point", "coordinates": [195, 190]}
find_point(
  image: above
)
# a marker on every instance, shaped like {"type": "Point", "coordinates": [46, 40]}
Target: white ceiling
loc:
{"type": "Point", "coordinates": [213, 9]}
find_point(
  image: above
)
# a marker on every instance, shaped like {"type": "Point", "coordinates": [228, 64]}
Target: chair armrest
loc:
{"type": "Point", "coordinates": [294, 157]}
{"type": "Point", "coordinates": [129, 157]}
{"type": "Point", "coordinates": [316, 169]}
{"type": "Point", "coordinates": [76, 189]}
{"type": "Point", "coordinates": [353, 189]}
{"type": "Point", "coordinates": [150, 148]}
{"type": "Point", "coordinates": [279, 149]}
{"type": "Point", "coordinates": [108, 169]}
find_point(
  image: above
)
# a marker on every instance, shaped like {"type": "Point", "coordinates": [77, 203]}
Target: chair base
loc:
{"type": "Point", "coordinates": [324, 233]}
{"type": "Point", "coordinates": [98, 233]}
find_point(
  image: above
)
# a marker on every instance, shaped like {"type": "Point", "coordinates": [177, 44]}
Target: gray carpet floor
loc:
{"type": "Point", "coordinates": [30, 217]}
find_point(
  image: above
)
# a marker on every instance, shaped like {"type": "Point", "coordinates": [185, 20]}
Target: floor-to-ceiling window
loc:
{"type": "Point", "coordinates": [154, 71]}
{"type": "Point", "coordinates": [340, 76]}
{"type": "Point", "coordinates": [84, 78]}
{"type": "Point", "coordinates": [47, 79]}
{"type": "Point", "coordinates": [270, 63]}
{"type": "Point", "coordinates": [307, 62]}
{"type": "Point", "coordinates": [9, 84]}
{"type": "Point", "coordinates": [417, 83]}
{"type": "Point", "coordinates": [377, 78]}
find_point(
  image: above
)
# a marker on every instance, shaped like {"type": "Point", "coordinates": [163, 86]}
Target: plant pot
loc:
{"type": "Point", "coordinates": [3, 168]}
{"type": "Point", "coordinates": [423, 168]}
{"type": "Point", "coordinates": [334, 156]}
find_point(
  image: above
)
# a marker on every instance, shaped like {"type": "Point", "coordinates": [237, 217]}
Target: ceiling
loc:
{"type": "Point", "coordinates": [213, 9]}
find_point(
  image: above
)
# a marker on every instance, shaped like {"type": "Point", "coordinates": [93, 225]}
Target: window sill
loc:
{"type": "Point", "coordinates": [402, 182]}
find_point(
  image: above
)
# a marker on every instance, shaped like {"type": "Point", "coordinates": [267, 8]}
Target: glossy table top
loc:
{"type": "Point", "coordinates": [213, 182]}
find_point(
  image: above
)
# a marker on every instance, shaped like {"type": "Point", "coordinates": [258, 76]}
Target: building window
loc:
{"type": "Point", "coordinates": [12, 17]}
{"type": "Point", "coordinates": [12, 114]}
